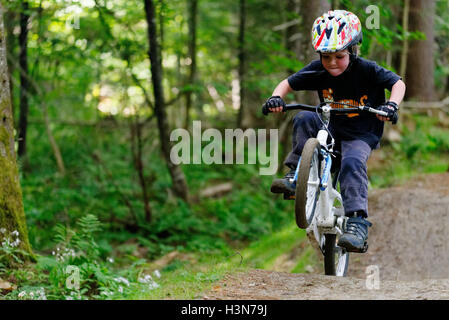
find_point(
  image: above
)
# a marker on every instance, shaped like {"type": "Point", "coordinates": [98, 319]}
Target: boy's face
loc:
{"type": "Point", "coordinates": [336, 62]}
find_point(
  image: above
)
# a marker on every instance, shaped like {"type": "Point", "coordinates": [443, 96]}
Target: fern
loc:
{"type": "Point", "coordinates": [88, 225]}
{"type": "Point", "coordinates": [62, 234]}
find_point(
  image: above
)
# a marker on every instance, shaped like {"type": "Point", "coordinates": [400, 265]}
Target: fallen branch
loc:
{"type": "Point", "coordinates": [216, 191]}
{"type": "Point", "coordinates": [443, 104]}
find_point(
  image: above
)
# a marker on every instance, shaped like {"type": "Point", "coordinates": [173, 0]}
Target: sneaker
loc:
{"type": "Point", "coordinates": [355, 235]}
{"type": "Point", "coordinates": [284, 185]}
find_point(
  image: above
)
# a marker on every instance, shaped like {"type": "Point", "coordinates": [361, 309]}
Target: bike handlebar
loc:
{"type": "Point", "coordinates": [319, 108]}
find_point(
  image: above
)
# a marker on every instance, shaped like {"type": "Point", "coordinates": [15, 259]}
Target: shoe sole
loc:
{"type": "Point", "coordinates": [279, 187]}
{"type": "Point", "coordinates": [350, 248]}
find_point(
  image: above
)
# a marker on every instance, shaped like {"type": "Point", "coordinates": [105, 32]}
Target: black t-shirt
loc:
{"type": "Point", "coordinates": [362, 83]}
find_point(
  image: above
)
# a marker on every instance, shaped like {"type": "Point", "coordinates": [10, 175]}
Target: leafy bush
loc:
{"type": "Point", "coordinates": [77, 271]}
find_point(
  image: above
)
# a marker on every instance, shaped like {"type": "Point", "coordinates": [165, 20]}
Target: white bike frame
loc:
{"type": "Point", "coordinates": [328, 218]}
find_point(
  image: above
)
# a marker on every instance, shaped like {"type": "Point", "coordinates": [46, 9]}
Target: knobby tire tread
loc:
{"type": "Point", "coordinates": [302, 183]}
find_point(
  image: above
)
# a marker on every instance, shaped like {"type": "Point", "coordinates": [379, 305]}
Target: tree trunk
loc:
{"type": "Point", "coordinates": [178, 178]}
{"type": "Point", "coordinates": [292, 32]}
{"type": "Point", "coordinates": [335, 4]}
{"type": "Point", "coordinates": [292, 44]}
{"type": "Point", "coordinates": [420, 61]}
{"type": "Point", "coordinates": [241, 58]}
{"type": "Point", "coordinates": [24, 85]}
{"type": "Point", "coordinates": [12, 215]}
{"type": "Point", "coordinates": [310, 10]}
{"type": "Point", "coordinates": [10, 17]}
{"type": "Point", "coordinates": [136, 148]}
{"type": "Point", "coordinates": [192, 23]}
{"type": "Point", "coordinates": [404, 51]}
{"type": "Point", "coordinates": [300, 33]}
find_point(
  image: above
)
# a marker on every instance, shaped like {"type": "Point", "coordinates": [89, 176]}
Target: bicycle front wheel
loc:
{"type": "Point", "coordinates": [336, 259]}
{"type": "Point", "coordinates": [307, 186]}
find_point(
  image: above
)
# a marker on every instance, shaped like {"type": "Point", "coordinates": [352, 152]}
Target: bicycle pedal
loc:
{"type": "Point", "coordinates": [289, 196]}
{"type": "Point", "coordinates": [365, 247]}
{"type": "Point", "coordinates": [363, 250]}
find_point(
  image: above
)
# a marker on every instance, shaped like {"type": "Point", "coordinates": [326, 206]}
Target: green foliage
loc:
{"type": "Point", "coordinates": [77, 271]}
{"type": "Point", "coordinates": [93, 79]}
{"type": "Point", "coordinates": [11, 255]}
{"type": "Point", "coordinates": [423, 148]}
{"type": "Point", "coordinates": [426, 138]}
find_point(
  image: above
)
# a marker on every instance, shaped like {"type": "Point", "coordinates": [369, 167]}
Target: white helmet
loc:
{"type": "Point", "coordinates": [336, 30]}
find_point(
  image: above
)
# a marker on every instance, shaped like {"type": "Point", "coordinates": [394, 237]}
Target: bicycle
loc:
{"type": "Point", "coordinates": [318, 204]}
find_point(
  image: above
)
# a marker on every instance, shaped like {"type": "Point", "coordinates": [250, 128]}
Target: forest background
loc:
{"type": "Point", "coordinates": [91, 207]}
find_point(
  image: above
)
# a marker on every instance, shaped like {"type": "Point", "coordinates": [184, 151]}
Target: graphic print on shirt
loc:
{"type": "Point", "coordinates": [328, 98]}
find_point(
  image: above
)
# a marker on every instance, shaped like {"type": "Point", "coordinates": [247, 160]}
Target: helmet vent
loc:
{"type": "Point", "coordinates": [328, 33]}
{"type": "Point", "coordinates": [341, 27]}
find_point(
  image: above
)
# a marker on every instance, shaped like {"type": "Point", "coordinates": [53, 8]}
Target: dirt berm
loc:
{"type": "Point", "coordinates": [408, 243]}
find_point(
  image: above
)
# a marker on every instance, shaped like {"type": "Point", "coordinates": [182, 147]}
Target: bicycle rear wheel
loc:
{"type": "Point", "coordinates": [307, 186]}
{"type": "Point", "coordinates": [336, 259]}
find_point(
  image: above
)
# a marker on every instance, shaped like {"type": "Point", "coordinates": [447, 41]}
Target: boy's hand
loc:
{"type": "Point", "coordinates": [274, 104]}
{"type": "Point", "coordinates": [391, 108]}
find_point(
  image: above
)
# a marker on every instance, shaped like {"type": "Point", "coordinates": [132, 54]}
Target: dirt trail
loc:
{"type": "Point", "coordinates": [409, 243]}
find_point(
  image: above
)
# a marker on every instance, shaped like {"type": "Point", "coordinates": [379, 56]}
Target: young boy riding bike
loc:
{"type": "Point", "coordinates": [341, 76]}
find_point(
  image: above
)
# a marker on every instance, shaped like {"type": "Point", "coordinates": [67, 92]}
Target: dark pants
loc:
{"type": "Point", "coordinates": [354, 155]}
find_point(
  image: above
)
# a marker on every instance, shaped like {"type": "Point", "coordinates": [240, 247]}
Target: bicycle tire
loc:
{"type": "Point", "coordinates": [336, 259]}
{"type": "Point", "coordinates": [307, 187]}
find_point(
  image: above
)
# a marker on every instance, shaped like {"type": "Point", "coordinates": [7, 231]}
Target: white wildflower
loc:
{"type": "Point", "coordinates": [68, 298]}
{"type": "Point", "coordinates": [111, 260]}
{"type": "Point", "coordinates": [146, 279]}
{"type": "Point", "coordinates": [157, 273]}
{"type": "Point", "coordinates": [153, 285]}
{"type": "Point", "coordinates": [122, 280]}
{"type": "Point", "coordinates": [15, 243]}
{"type": "Point", "coordinates": [120, 289]}
{"type": "Point", "coordinates": [2, 230]}
{"type": "Point", "coordinates": [15, 233]}
{"type": "Point", "coordinates": [22, 294]}
{"type": "Point", "coordinates": [42, 295]}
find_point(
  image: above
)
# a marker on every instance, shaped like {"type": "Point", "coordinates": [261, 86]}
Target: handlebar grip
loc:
{"type": "Point", "coordinates": [374, 110]}
{"type": "Point", "coordinates": [266, 110]}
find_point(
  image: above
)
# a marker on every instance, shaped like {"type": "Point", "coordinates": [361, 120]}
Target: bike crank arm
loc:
{"type": "Point", "coordinates": [295, 178]}
{"type": "Point", "coordinates": [332, 223]}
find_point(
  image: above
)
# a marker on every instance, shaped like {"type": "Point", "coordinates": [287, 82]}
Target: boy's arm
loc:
{"type": "Point", "coordinates": [397, 94]}
{"type": "Point", "coordinates": [282, 89]}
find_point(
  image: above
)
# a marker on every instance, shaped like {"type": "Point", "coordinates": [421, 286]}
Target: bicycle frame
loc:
{"type": "Point", "coordinates": [328, 219]}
